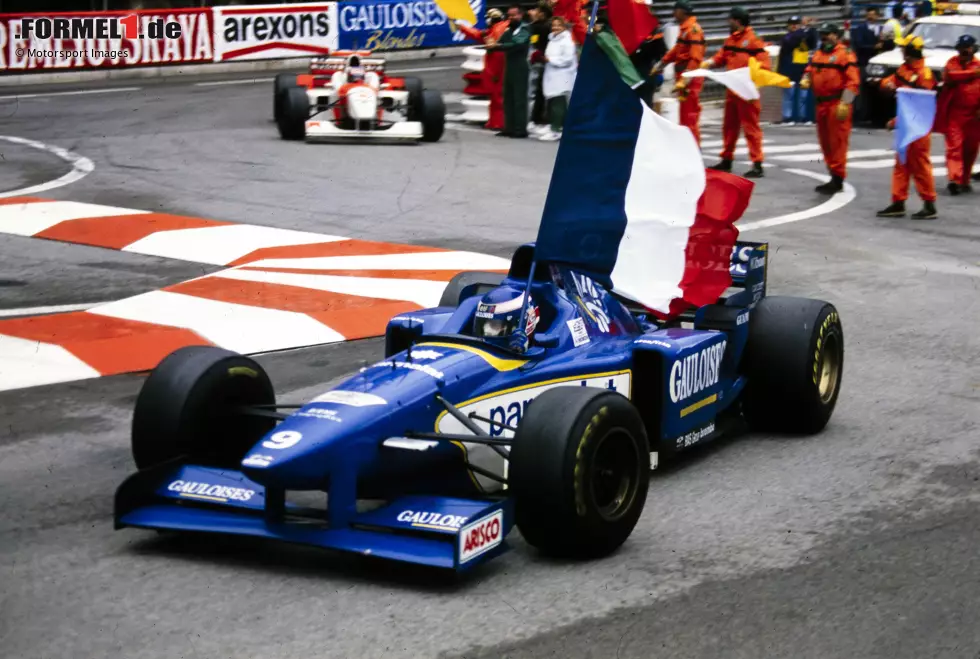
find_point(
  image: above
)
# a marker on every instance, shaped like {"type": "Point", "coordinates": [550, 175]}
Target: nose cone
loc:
{"type": "Point", "coordinates": [298, 453]}
{"type": "Point", "coordinates": [344, 428]}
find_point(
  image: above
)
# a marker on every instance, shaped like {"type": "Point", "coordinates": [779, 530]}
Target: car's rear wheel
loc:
{"type": "Point", "coordinates": [189, 406]}
{"type": "Point", "coordinates": [579, 471]}
{"type": "Point", "coordinates": [281, 82]}
{"type": "Point", "coordinates": [433, 116]}
{"type": "Point", "coordinates": [294, 106]}
{"type": "Point", "coordinates": [794, 361]}
{"type": "Point", "coordinates": [467, 284]}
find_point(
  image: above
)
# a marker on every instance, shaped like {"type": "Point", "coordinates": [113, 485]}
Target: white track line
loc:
{"type": "Point", "coordinates": [221, 83]}
{"type": "Point", "coordinates": [424, 293]}
{"type": "Point", "coordinates": [80, 167]}
{"type": "Point", "coordinates": [717, 143]}
{"type": "Point", "coordinates": [80, 92]}
{"type": "Point", "coordinates": [422, 69]}
{"type": "Point", "coordinates": [32, 218]}
{"type": "Point", "coordinates": [26, 363]}
{"type": "Point", "coordinates": [237, 327]}
{"type": "Point", "coordinates": [836, 202]}
{"type": "Point", "coordinates": [410, 261]}
{"type": "Point", "coordinates": [222, 244]}
{"type": "Point", "coordinates": [40, 311]}
{"type": "Point", "coordinates": [860, 153]}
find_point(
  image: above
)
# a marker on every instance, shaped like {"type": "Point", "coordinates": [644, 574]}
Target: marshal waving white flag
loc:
{"type": "Point", "coordinates": [746, 81]}
{"type": "Point", "coordinates": [737, 81]}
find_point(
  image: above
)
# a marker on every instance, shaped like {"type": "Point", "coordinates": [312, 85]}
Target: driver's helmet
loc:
{"type": "Point", "coordinates": [498, 316]}
{"type": "Point", "coordinates": [355, 74]}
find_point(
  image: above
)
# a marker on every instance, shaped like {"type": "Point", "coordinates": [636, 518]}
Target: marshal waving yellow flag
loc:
{"type": "Point", "coordinates": [457, 10]}
{"type": "Point", "coordinates": [763, 78]}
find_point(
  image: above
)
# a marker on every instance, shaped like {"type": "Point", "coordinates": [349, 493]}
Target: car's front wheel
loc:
{"type": "Point", "coordinates": [190, 406]}
{"type": "Point", "coordinates": [294, 110]}
{"type": "Point", "coordinates": [432, 115]}
{"type": "Point", "coordinates": [282, 82]}
{"type": "Point", "coordinates": [579, 471]}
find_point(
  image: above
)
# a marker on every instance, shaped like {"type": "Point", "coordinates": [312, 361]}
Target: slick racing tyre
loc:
{"type": "Point", "coordinates": [414, 88]}
{"type": "Point", "coordinates": [188, 406]}
{"type": "Point", "coordinates": [433, 116]}
{"type": "Point", "coordinates": [282, 81]}
{"type": "Point", "coordinates": [579, 471]}
{"type": "Point", "coordinates": [468, 284]}
{"type": "Point", "coordinates": [294, 108]}
{"type": "Point", "coordinates": [794, 361]}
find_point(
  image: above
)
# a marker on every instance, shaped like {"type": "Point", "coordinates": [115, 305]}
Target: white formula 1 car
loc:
{"type": "Point", "coordinates": [348, 96]}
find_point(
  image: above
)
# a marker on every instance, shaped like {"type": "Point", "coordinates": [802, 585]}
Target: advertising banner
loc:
{"type": "Point", "coordinates": [407, 24]}
{"type": "Point", "coordinates": [274, 31]}
{"type": "Point", "coordinates": [93, 40]}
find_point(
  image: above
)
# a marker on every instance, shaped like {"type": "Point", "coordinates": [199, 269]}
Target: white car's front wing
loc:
{"type": "Point", "coordinates": [325, 130]}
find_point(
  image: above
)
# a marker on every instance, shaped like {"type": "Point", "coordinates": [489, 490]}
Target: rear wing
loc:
{"type": "Point", "coordinates": [338, 62]}
{"type": "Point", "coordinates": [749, 270]}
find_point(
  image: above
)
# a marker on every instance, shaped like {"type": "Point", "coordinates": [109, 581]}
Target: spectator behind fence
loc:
{"type": "Point", "coordinates": [892, 29]}
{"type": "Point", "coordinates": [865, 44]}
{"type": "Point", "coordinates": [561, 65]}
{"type": "Point", "coordinates": [514, 44]}
{"type": "Point", "coordinates": [540, 29]}
{"type": "Point", "coordinates": [794, 55]}
{"type": "Point", "coordinates": [571, 11]}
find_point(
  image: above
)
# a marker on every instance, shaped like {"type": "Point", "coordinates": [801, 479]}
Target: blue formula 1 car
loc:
{"type": "Point", "coordinates": [433, 454]}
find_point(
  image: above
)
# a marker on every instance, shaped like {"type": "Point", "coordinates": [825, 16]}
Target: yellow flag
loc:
{"type": "Point", "coordinates": [457, 10]}
{"type": "Point", "coordinates": [764, 78]}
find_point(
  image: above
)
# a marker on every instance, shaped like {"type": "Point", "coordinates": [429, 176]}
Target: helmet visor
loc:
{"type": "Point", "coordinates": [496, 327]}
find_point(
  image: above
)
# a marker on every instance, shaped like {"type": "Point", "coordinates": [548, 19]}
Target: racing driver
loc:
{"type": "Point", "coordinates": [498, 318]}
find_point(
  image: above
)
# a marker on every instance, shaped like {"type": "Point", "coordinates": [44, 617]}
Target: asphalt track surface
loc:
{"type": "Point", "coordinates": [859, 542]}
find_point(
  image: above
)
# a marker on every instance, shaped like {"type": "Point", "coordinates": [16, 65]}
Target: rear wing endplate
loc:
{"type": "Point", "coordinates": [749, 270]}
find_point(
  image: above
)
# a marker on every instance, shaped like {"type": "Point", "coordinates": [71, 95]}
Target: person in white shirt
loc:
{"type": "Point", "coordinates": [561, 65]}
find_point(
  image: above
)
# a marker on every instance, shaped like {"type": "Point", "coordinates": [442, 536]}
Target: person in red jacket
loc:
{"type": "Point", "coordinates": [687, 54]}
{"type": "Point", "coordinates": [913, 74]}
{"type": "Point", "coordinates": [493, 64]}
{"type": "Point", "coordinates": [741, 46]}
{"type": "Point", "coordinates": [961, 78]}
{"type": "Point", "coordinates": [835, 80]}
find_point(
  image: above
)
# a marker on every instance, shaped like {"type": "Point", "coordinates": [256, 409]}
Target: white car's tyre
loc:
{"type": "Point", "coordinates": [433, 116]}
{"type": "Point", "coordinates": [294, 108]}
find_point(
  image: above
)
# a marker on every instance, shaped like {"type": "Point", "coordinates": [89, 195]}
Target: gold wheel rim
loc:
{"type": "Point", "coordinates": [829, 368]}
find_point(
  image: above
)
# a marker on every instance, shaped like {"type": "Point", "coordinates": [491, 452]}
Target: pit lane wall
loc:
{"type": "Point", "coordinates": [263, 35]}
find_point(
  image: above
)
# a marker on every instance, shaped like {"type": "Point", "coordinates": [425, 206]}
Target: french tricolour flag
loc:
{"type": "Point", "coordinates": [630, 202]}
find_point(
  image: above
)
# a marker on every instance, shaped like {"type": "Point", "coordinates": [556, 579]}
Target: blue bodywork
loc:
{"type": "Point", "coordinates": [386, 489]}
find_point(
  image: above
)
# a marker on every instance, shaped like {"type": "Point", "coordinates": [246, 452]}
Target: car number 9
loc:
{"type": "Point", "coordinates": [283, 439]}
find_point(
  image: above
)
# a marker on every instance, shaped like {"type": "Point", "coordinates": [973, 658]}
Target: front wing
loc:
{"type": "Point", "coordinates": [325, 130]}
{"type": "Point", "coordinates": [441, 532]}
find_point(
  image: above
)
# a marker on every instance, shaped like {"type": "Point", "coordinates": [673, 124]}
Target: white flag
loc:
{"type": "Point", "coordinates": [737, 81]}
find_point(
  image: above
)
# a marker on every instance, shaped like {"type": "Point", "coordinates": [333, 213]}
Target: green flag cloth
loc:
{"type": "Point", "coordinates": [610, 44]}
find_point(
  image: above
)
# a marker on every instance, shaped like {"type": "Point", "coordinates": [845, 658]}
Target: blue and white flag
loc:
{"type": "Point", "coordinates": [914, 118]}
{"type": "Point", "coordinates": [625, 199]}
